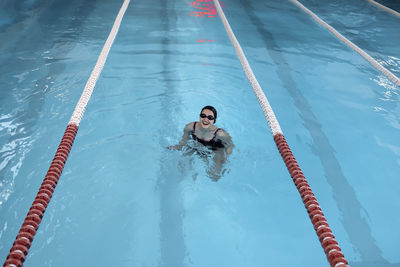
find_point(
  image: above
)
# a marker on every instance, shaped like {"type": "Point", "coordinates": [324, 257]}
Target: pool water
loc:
{"type": "Point", "coordinates": [125, 200]}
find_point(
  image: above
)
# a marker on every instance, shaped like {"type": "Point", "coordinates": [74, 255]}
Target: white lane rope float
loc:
{"type": "Point", "coordinates": [94, 76]}
{"type": "Point", "coordinates": [394, 12]}
{"type": "Point", "coordinates": [323, 231]}
{"type": "Point", "coordinates": [370, 59]}
{"type": "Point", "coordinates": [262, 99]}
{"type": "Point", "coordinates": [29, 227]}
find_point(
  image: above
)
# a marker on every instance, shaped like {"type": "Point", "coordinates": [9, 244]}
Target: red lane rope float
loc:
{"type": "Point", "coordinates": [324, 233]}
{"type": "Point", "coordinates": [24, 239]}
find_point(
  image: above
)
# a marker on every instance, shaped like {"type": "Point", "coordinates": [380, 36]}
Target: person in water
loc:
{"type": "Point", "coordinates": [205, 133]}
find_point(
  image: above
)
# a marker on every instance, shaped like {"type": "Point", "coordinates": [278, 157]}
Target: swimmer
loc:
{"type": "Point", "coordinates": [205, 133]}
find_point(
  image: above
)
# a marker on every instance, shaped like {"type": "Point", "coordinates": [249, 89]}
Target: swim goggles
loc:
{"type": "Point", "coordinates": [209, 117]}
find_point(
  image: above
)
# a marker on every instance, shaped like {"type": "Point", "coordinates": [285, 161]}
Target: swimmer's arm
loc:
{"type": "Point", "coordinates": [185, 137]}
{"type": "Point", "coordinates": [226, 140]}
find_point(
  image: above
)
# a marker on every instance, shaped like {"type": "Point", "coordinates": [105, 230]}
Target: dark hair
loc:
{"type": "Point", "coordinates": [212, 109]}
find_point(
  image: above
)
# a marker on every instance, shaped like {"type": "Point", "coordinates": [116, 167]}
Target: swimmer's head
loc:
{"type": "Point", "coordinates": [213, 110]}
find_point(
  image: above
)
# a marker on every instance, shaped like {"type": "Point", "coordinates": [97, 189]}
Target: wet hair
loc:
{"type": "Point", "coordinates": [212, 109]}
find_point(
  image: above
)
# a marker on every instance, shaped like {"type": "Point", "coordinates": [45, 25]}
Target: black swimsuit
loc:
{"type": "Point", "coordinates": [213, 144]}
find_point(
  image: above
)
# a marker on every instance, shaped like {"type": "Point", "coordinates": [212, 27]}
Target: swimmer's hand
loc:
{"type": "Point", "coordinates": [175, 147]}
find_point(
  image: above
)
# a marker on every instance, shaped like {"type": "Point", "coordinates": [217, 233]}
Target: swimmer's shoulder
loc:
{"type": "Point", "coordinates": [189, 126]}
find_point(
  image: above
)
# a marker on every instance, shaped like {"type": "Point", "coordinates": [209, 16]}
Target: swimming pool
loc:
{"type": "Point", "coordinates": [124, 199]}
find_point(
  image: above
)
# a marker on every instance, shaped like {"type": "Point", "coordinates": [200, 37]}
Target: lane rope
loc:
{"type": "Point", "coordinates": [370, 59]}
{"type": "Point", "coordinates": [262, 99]}
{"type": "Point", "coordinates": [94, 76]}
{"type": "Point", "coordinates": [323, 231]}
{"type": "Point", "coordinates": [394, 12]}
{"type": "Point", "coordinates": [24, 239]}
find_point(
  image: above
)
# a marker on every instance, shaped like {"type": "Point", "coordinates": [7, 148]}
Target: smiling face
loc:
{"type": "Point", "coordinates": [206, 122]}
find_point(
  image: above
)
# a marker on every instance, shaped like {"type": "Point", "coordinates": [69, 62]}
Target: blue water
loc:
{"type": "Point", "coordinates": [125, 200]}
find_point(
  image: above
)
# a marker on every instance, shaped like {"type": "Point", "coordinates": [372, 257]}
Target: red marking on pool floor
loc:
{"type": "Point", "coordinates": [209, 9]}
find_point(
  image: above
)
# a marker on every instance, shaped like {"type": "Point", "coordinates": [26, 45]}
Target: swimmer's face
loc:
{"type": "Point", "coordinates": [206, 122]}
